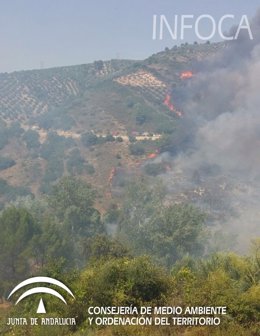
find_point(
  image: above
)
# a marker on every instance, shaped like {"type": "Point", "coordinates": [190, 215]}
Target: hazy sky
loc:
{"type": "Point", "coordinates": [47, 33]}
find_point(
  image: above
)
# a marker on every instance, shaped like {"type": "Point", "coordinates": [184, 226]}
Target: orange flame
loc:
{"type": "Point", "coordinates": [111, 175]}
{"type": "Point", "coordinates": [186, 75]}
{"type": "Point", "coordinates": [167, 102]}
{"type": "Point", "coordinates": [171, 107]}
{"type": "Point", "coordinates": [151, 156]}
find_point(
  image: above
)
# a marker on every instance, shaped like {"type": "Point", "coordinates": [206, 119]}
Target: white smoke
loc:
{"type": "Point", "coordinates": [223, 101]}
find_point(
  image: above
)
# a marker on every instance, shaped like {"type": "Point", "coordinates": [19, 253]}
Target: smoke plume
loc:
{"type": "Point", "coordinates": [222, 170]}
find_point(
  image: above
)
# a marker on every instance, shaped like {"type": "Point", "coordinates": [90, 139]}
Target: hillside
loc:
{"type": "Point", "coordinates": [174, 127]}
{"type": "Point", "coordinates": [72, 120]}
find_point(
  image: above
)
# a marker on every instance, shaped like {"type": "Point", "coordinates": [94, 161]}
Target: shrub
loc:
{"type": "Point", "coordinates": [90, 169]}
{"type": "Point", "coordinates": [136, 149]}
{"type": "Point", "coordinates": [6, 163]}
{"type": "Point", "coordinates": [31, 139]}
{"type": "Point", "coordinates": [154, 169]}
{"type": "Point", "coordinates": [89, 139]}
{"type": "Point", "coordinates": [75, 162]}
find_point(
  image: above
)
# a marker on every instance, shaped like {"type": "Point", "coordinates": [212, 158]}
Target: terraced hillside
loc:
{"type": "Point", "coordinates": [90, 120]}
{"type": "Point", "coordinates": [145, 82]}
{"type": "Point", "coordinates": [26, 94]}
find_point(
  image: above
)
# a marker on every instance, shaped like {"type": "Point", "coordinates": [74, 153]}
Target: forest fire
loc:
{"type": "Point", "coordinates": [152, 156]}
{"type": "Point", "coordinates": [167, 102]}
{"type": "Point", "coordinates": [186, 75]}
{"type": "Point", "coordinates": [171, 107]}
{"type": "Point", "coordinates": [111, 175]}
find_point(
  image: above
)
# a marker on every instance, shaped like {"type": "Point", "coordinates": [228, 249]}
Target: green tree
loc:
{"type": "Point", "coordinates": [51, 244]}
{"type": "Point", "coordinates": [124, 281]}
{"type": "Point", "coordinates": [142, 202]}
{"type": "Point", "coordinates": [103, 246]}
{"type": "Point", "coordinates": [136, 149]}
{"type": "Point", "coordinates": [31, 139]}
{"type": "Point", "coordinates": [140, 118]}
{"type": "Point", "coordinates": [15, 130]}
{"type": "Point", "coordinates": [89, 139]}
{"type": "Point", "coordinates": [72, 192]}
{"type": "Point", "coordinates": [17, 228]}
{"type": "Point", "coordinates": [165, 232]}
{"type": "Point", "coordinates": [176, 231]}
{"type": "Point", "coordinates": [72, 201]}
{"type": "Point", "coordinates": [154, 169]}
{"type": "Point", "coordinates": [75, 163]}
{"type": "Point", "coordinates": [6, 162]}
{"type": "Point", "coordinates": [99, 65]}
{"type": "Point", "coordinates": [54, 169]}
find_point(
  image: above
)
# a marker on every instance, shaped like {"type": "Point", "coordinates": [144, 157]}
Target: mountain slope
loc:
{"type": "Point", "coordinates": [90, 120]}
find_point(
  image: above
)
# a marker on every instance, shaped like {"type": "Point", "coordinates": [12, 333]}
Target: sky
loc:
{"type": "Point", "coordinates": [48, 33]}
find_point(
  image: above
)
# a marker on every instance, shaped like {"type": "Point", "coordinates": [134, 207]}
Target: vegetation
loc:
{"type": "Point", "coordinates": [55, 146]}
{"type": "Point", "coordinates": [137, 149]}
{"type": "Point", "coordinates": [89, 139]}
{"type": "Point", "coordinates": [3, 138]}
{"type": "Point", "coordinates": [154, 169]}
{"type": "Point", "coordinates": [31, 139]}
{"type": "Point", "coordinates": [67, 107]}
{"type": "Point", "coordinates": [166, 233]}
{"type": "Point", "coordinates": [157, 258]}
{"type": "Point", "coordinates": [8, 132]}
{"type": "Point", "coordinates": [53, 151]}
{"type": "Point", "coordinates": [54, 170]}
{"type": "Point", "coordinates": [113, 243]}
{"type": "Point", "coordinates": [9, 193]}
{"type": "Point", "coordinates": [6, 163]}
{"type": "Point", "coordinates": [117, 280]}
{"type": "Point", "coordinates": [17, 230]}
{"type": "Point", "coordinates": [75, 162]}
